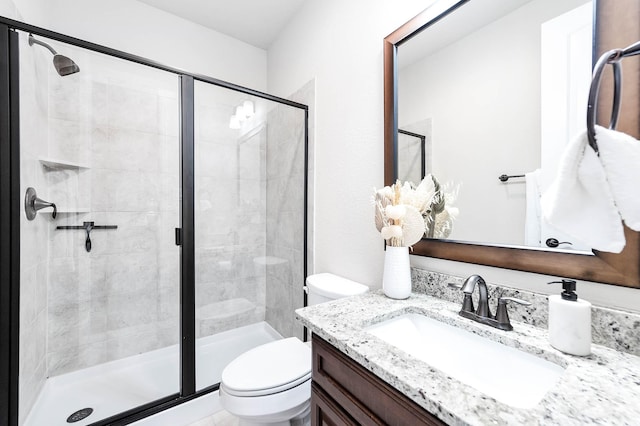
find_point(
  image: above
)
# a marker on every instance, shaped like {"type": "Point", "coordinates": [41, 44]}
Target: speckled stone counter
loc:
{"type": "Point", "coordinates": [603, 388]}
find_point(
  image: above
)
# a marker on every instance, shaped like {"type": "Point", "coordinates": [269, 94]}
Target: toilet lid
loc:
{"type": "Point", "coordinates": [270, 368]}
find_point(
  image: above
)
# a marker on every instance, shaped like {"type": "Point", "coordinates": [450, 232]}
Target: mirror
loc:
{"type": "Point", "coordinates": [490, 125]}
{"type": "Point", "coordinates": [484, 82]}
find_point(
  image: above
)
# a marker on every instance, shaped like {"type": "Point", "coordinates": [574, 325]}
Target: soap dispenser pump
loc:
{"type": "Point", "coordinates": [569, 320]}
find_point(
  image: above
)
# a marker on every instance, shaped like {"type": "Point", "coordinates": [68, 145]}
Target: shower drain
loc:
{"type": "Point", "coordinates": [79, 415]}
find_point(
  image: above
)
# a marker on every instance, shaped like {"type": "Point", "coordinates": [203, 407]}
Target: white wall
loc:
{"type": "Point", "coordinates": [340, 44]}
{"type": "Point", "coordinates": [143, 30]}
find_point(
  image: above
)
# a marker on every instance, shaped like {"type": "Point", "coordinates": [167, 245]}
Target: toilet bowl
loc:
{"type": "Point", "coordinates": [271, 384]}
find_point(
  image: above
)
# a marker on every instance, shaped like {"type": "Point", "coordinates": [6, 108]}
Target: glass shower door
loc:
{"type": "Point", "coordinates": [99, 325]}
{"type": "Point", "coordinates": [249, 224]}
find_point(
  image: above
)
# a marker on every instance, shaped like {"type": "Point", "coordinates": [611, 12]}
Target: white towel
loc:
{"type": "Point", "coordinates": [620, 157]}
{"type": "Point", "coordinates": [533, 215]}
{"type": "Point", "coordinates": [580, 202]}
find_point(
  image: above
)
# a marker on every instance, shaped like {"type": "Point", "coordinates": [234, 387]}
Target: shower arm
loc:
{"type": "Point", "coordinates": [33, 40]}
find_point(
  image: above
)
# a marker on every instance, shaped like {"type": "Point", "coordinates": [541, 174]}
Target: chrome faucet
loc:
{"type": "Point", "coordinates": [483, 313]}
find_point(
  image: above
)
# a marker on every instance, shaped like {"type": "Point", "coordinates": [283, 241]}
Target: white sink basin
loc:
{"type": "Point", "coordinates": [511, 376]}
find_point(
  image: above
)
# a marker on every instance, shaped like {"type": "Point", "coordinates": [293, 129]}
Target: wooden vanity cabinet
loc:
{"type": "Point", "coordinates": [345, 393]}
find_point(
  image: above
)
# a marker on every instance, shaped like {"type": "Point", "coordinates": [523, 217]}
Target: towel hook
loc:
{"type": "Point", "coordinates": [611, 57]}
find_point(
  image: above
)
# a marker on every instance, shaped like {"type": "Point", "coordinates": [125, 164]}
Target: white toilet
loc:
{"type": "Point", "coordinates": [271, 384]}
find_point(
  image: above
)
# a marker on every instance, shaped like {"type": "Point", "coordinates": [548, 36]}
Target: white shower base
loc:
{"type": "Point", "coordinates": [120, 385]}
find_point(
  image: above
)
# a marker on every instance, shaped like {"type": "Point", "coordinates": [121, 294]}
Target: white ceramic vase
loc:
{"type": "Point", "coordinates": [396, 280]}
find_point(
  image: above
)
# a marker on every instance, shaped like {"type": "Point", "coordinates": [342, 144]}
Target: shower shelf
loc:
{"type": "Point", "coordinates": [62, 165]}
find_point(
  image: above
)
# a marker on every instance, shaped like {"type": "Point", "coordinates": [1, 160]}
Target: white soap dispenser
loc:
{"type": "Point", "coordinates": [569, 321]}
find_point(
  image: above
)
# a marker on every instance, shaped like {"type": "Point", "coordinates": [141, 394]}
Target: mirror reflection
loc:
{"type": "Point", "coordinates": [497, 88]}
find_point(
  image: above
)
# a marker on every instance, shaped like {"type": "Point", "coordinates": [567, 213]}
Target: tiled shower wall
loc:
{"type": "Point", "coordinates": [285, 212]}
{"type": "Point", "coordinates": [120, 123]}
{"type": "Point", "coordinates": [34, 234]}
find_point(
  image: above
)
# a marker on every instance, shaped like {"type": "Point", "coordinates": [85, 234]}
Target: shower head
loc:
{"type": "Point", "coordinates": [63, 64]}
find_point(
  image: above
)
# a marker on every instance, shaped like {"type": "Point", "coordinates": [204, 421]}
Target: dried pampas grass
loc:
{"type": "Point", "coordinates": [404, 212]}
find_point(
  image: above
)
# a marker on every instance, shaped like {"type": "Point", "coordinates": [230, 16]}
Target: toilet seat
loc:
{"type": "Point", "coordinates": [268, 369]}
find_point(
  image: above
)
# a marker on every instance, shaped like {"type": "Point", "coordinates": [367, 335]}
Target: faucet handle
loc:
{"type": "Point", "coordinates": [502, 316]}
{"type": "Point", "coordinates": [454, 285]}
{"type": "Point", "coordinates": [506, 299]}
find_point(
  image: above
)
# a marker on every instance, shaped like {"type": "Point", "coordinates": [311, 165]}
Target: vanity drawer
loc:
{"type": "Point", "coordinates": [325, 411]}
{"type": "Point", "coordinates": [365, 398]}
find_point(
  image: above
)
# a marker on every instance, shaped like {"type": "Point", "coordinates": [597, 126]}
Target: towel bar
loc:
{"type": "Point", "coordinates": [504, 178]}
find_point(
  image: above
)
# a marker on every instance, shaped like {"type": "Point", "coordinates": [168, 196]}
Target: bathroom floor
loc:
{"type": "Point", "coordinates": [221, 418]}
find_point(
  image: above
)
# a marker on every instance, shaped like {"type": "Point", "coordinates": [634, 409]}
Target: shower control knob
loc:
{"type": "Point", "coordinates": [32, 204]}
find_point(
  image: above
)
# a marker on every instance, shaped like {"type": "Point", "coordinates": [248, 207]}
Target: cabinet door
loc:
{"type": "Point", "coordinates": [361, 395]}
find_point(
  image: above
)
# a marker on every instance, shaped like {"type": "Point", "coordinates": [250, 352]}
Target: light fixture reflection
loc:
{"type": "Point", "coordinates": [247, 107]}
{"type": "Point", "coordinates": [242, 112]}
{"type": "Point", "coordinates": [234, 122]}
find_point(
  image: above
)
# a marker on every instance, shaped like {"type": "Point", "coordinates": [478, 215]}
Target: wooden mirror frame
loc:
{"type": "Point", "coordinates": [619, 269]}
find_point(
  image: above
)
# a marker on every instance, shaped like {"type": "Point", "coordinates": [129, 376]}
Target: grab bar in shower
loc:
{"type": "Point", "coordinates": [88, 227]}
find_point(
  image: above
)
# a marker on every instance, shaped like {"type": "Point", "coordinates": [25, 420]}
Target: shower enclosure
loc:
{"type": "Point", "coordinates": [178, 239]}
{"type": "Point", "coordinates": [411, 156]}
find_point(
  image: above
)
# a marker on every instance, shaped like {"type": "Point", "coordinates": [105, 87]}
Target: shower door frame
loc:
{"type": "Point", "coordinates": [9, 234]}
{"type": "Point", "coordinates": [10, 214]}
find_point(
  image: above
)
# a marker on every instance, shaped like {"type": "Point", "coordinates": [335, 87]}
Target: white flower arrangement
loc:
{"type": "Point", "coordinates": [404, 213]}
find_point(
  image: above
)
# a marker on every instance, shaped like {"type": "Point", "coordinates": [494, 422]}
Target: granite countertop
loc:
{"type": "Point", "coordinates": [602, 388]}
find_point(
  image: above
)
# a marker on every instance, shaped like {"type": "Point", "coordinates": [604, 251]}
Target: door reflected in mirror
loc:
{"type": "Point", "coordinates": [486, 92]}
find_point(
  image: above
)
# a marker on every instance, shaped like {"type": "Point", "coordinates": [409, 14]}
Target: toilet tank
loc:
{"type": "Point", "coordinates": [326, 287]}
